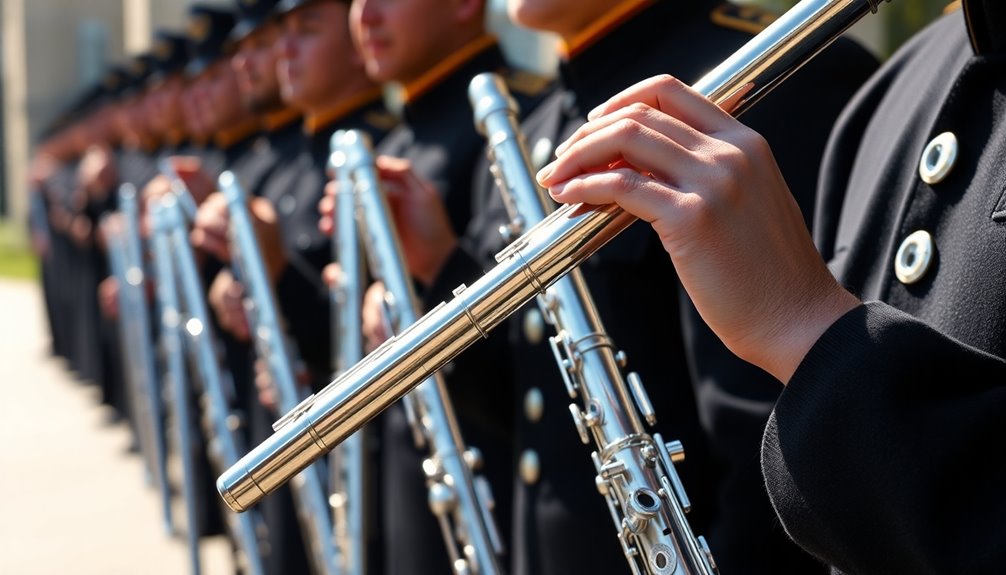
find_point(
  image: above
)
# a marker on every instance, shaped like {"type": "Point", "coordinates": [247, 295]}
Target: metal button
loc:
{"type": "Point", "coordinates": [530, 466]}
{"type": "Point", "coordinates": [534, 326]}
{"type": "Point", "coordinates": [287, 204]}
{"type": "Point", "coordinates": [541, 153]}
{"type": "Point", "coordinates": [303, 241]}
{"type": "Point", "coordinates": [534, 405]}
{"type": "Point", "coordinates": [938, 158]}
{"type": "Point", "coordinates": [914, 257]}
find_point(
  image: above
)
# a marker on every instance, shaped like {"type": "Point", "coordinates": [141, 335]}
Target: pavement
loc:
{"type": "Point", "coordinates": [72, 497]}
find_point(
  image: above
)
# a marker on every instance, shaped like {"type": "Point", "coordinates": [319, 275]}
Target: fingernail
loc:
{"type": "Point", "coordinates": [595, 113]}
{"type": "Point", "coordinates": [561, 149]}
{"type": "Point", "coordinates": [545, 172]}
{"type": "Point", "coordinates": [557, 190]}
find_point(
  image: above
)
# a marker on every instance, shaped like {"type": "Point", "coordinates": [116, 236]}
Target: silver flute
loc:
{"type": "Point", "coordinates": [458, 498]}
{"type": "Point", "coordinates": [140, 370]}
{"type": "Point", "coordinates": [635, 471]}
{"type": "Point", "coordinates": [309, 491]}
{"type": "Point", "coordinates": [176, 378]}
{"type": "Point", "coordinates": [248, 531]}
{"type": "Point", "coordinates": [525, 269]}
{"type": "Point", "coordinates": [348, 466]}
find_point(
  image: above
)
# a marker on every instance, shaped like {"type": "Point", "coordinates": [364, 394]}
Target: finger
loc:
{"type": "Point", "coordinates": [643, 197]}
{"type": "Point", "coordinates": [671, 96]}
{"type": "Point", "coordinates": [643, 114]}
{"type": "Point", "coordinates": [326, 206]}
{"type": "Point", "coordinates": [642, 147]}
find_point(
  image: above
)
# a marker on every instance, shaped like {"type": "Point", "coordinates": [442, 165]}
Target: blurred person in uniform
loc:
{"type": "Point", "coordinates": [888, 334]}
{"type": "Point", "coordinates": [431, 50]}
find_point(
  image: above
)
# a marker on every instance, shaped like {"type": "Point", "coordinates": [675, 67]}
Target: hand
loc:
{"type": "Point", "coordinates": [712, 191]}
{"type": "Point", "coordinates": [108, 297]}
{"type": "Point", "coordinates": [420, 216]}
{"type": "Point", "coordinates": [326, 208]}
{"type": "Point", "coordinates": [97, 174]}
{"type": "Point", "coordinates": [209, 230]}
{"type": "Point", "coordinates": [375, 324]}
{"type": "Point", "coordinates": [267, 231]}
{"type": "Point", "coordinates": [226, 297]}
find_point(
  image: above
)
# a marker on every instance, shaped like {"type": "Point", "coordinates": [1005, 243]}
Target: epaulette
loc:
{"type": "Point", "coordinates": [955, 5]}
{"type": "Point", "coordinates": [381, 119]}
{"type": "Point", "coordinates": [526, 83]}
{"type": "Point", "coordinates": [746, 18]}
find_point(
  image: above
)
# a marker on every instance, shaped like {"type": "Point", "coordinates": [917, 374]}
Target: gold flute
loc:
{"type": "Point", "coordinates": [525, 269]}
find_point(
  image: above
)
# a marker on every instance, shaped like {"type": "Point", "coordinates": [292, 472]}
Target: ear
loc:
{"type": "Point", "coordinates": [469, 10]}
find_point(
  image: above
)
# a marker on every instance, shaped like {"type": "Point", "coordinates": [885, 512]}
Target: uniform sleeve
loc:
{"type": "Point", "coordinates": [884, 453]}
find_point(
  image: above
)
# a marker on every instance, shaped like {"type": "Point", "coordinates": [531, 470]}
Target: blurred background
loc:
{"type": "Point", "coordinates": [52, 49]}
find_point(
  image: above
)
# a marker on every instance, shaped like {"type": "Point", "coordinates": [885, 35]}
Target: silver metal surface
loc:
{"type": "Point", "coordinates": [561, 242]}
{"type": "Point", "coordinates": [176, 377]}
{"type": "Point", "coordinates": [472, 542]}
{"type": "Point", "coordinates": [139, 369]}
{"type": "Point", "coordinates": [309, 491]}
{"type": "Point", "coordinates": [348, 464]}
{"type": "Point", "coordinates": [226, 445]}
{"type": "Point", "coordinates": [630, 473]}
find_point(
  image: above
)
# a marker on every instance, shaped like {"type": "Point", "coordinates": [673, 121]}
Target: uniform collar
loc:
{"type": "Point", "coordinates": [446, 67]}
{"type": "Point", "coordinates": [986, 22]}
{"type": "Point", "coordinates": [451, 87]}
{"type": "Point", "coordinates": [625, 38]}
{"type": "Point", "coordinates": [278, 120]}
{"type": "Point", "coordinates": [227, 138]}
{"type": "Point", "coordinates": [314, 123]}
{"type": "Point", "coordinates": [601, 27]}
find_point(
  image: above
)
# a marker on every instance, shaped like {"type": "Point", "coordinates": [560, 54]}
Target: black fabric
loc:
{"type": "Point", "coordinates": [877, 454]}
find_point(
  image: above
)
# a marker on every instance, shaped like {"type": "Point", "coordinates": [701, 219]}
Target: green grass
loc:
{"type": "Point", "coordinates": [16, 259]}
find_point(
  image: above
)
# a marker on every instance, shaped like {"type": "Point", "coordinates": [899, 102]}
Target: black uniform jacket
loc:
{"type": "Point", "coordinates": [561, 524]}
{"type": "Point", "coordinates": [294, 188]}
{"type": "Point", "coordinates": [883, 453]}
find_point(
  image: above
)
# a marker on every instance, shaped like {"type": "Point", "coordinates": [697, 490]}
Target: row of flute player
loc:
{"type": "Point", "coordinates": [876, 455]}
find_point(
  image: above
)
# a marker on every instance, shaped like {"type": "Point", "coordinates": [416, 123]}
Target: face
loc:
{"type": "Point", "coordinates": [401, 39]}
{"type": "Point", "coordinates": [162, 105]}
{"type": "Point", "coordinates": [194, 123]}
{"type": "Point", "coordinates": [315, 56]}
{"type": "Point", "coordinates": [566, 18]}
{"type": "Point", "coordinates": [215, 96]}
{"type": "Point", "coordinates": [254, 65]}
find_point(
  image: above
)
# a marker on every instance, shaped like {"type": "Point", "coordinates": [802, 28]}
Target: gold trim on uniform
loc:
{"type": "Point", "coordinates": [746, 18]}
{"type": "Point", "coordinates": [447, 66]}
{"type": "Point", "coordinates": [226, 138]}
{"type": "Point", "coordinates": [281, 119]}
{"type": "Point", "coordinates": [602, 26]}
{"type": "Point", "coordinates": [174, 137]}
{"type": "Point", "coordinates": [313, 123]}
{"type": "Point", "coordinates": [955, 5]}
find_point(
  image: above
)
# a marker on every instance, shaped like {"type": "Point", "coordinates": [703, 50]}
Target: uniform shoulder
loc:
{"type": "Point", "coordinates": [744, 18]}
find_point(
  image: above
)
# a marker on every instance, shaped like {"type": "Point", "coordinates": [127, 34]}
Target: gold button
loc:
{"type": "Point", "coordinates": [534, 405]}
{"type": "Point", "coordinates": [914, 257]}
{"type": "Point", "coordinates": [530, 467]}
{"type": "Point", "coordinates": [938, 158]}
{"type": "Point", "coordinates": [534, 326]}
